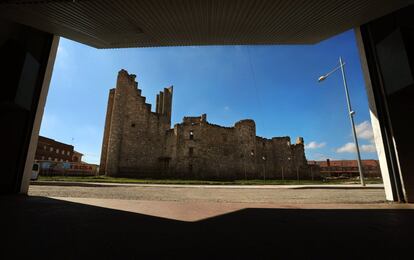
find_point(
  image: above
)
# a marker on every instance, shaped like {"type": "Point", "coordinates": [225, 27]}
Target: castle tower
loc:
{"type": "Point", "coordinates": [160, 103]}
{"type": "Point", "coordinates": [246, 132]}
{"type": "Point", "coordinates": [125, 83]}
{"type": "Point", "coordinates": [167, 106]}
{"type": "Point", "coordinates": [164, 103]}
{"type": "Point", "coordinates": [131, 127]}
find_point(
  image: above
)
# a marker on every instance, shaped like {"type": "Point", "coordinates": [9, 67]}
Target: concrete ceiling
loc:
{"type": "Point", "coordinates": [144, 23]}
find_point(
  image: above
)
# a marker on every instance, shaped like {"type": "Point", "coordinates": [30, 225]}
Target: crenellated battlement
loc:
{"type": "Point", "coordinates": [195, 119]}
{"type": "Point", "coordinates": [245, 123]}
{"type": "Point", "coordinates": [163, 99]}
{"type": "Point", "coordinates": [127, 79]}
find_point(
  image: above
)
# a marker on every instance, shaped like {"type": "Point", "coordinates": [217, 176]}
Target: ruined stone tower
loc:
{"type": "Point", "coordinates": [134, 136]}
{"type": "Point", "coordinates": [140, 143]}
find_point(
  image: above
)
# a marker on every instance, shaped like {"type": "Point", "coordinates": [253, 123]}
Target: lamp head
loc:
{"type": "Point", "coordinates": [322, 78]}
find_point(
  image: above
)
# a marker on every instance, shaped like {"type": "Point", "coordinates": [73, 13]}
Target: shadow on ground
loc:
{"type": "Point", "coordinates": [45, 228]}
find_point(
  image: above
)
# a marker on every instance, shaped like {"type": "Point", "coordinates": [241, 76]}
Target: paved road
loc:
{"type": "Point", "coordinates": [211, 194]}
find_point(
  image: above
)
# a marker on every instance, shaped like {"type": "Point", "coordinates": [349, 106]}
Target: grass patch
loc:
{"type": "Point", "coordinates": [106, 179]}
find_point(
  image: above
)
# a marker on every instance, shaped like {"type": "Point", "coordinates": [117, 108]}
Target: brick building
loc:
{"type": "Point", "coordinates": [348, 168]}
{"type": "Point", "coordinates": [52, 150]}
{"type": "Point", "coordinates": [140, 143]}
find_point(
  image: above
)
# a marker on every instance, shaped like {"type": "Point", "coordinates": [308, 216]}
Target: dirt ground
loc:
{"type": "Point", "coordinates": [203, 194]}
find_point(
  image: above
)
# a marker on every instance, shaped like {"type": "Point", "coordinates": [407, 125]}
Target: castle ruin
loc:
{"type": "Point", "coordinates": [140, 143]}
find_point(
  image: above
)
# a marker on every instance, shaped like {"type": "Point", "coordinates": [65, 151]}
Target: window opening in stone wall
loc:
{"type": "Point", "coordinates": [191, 135]}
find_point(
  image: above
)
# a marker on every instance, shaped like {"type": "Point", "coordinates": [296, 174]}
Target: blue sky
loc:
{"type": "Point", "coordinates": [274, 85]}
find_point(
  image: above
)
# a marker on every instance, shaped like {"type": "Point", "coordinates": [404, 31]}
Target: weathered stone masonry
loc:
{"type": "Point", "coordinates": [140, 143]}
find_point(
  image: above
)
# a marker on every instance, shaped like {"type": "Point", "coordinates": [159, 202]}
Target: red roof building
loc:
{"type": "Point", "coordinates": [349, 168]}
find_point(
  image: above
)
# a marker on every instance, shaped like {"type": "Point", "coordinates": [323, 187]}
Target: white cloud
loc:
{"type": "Point", "coordinates": [350, 148]}
{"type": "Point", "coordinates": [347, 148]}
{"type": "Point", "coordinates": [227, 108]}
{"type": "Point", "coordinates": [364, 131]}
{"type": "Point", "coordinates": [315, 145]}
{"type": "Point", "coordinates": [369, 148]}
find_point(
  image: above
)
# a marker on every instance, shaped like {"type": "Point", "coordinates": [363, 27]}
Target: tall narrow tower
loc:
{"type": "Point", "coordinates": [164, 103]}
{"type": "Point", "coordinates": [131, 127]}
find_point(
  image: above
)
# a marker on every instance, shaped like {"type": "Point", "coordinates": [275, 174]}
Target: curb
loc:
{"type": "Point", "coordinates": [304, 187]}
{"type": "Point", "coordinates": [78, 184]}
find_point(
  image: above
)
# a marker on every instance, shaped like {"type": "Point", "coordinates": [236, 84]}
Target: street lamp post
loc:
{"type": "Point", "coordinates": [264, 167]}
{"type": "Point", "coordinates": [297, 172]}
{"type": "Point", "coordinates": [350, 112]}
{"type": "Point", "coordinates": [244, 165]}
{"type": "Point", "coordinates": [251, 156]}
{"type": "Point", "coordinates": [283, 176]}
{"type": "Point", "coordinates": [311, 172]}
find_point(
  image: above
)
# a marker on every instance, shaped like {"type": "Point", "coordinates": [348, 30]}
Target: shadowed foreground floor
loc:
{"type": "Point", "coordinates": [41, 227]}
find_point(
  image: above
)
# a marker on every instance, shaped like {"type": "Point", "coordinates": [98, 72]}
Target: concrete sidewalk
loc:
{"type": "Point", "coordinates": [97, 184]}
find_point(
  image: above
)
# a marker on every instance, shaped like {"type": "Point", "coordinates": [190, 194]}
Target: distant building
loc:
{"type": "Point", "coordinates": [348, 168]}
{"type": "Point", "coordinates": [77, 157]}
{"type": "Point", "coordinates": [52, 150]}
{"type": "Point", "coordinates": [57, 158]}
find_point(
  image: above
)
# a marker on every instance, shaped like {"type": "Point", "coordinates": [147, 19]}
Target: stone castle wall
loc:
{"type": "Point", "coordinates": [104, 153]}
{"type": "Point", "coordinates": [140, 143]}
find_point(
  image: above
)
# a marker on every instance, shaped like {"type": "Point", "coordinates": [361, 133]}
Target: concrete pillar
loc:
{"type": "Point", "coordinates": [375, 122]}
{"type": "Point", "coordinates": [24, 187]}
{"type": "Point", "coordinates": [386, 49]}
{"type": "Point", "coordinates": [27, 59]}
